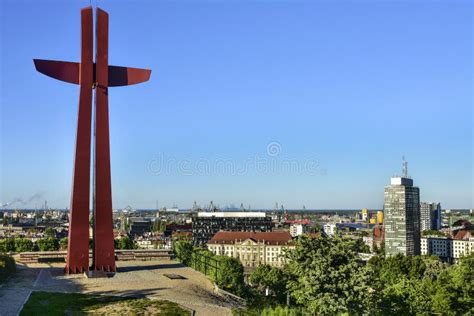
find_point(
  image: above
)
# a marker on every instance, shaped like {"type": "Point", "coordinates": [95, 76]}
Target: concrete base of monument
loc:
{"type": "Point", "coordinates": [98, 274]}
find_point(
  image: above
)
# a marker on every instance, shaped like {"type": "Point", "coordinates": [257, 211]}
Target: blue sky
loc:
{"type": "Point", "coordinates": [240, 90]}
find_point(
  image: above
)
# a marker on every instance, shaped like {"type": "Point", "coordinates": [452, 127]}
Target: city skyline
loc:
{"type": "Point", "coordinates": [340, 90]}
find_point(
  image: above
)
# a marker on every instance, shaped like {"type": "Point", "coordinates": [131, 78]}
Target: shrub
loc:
{"type": "Point", "coordinates": [7, 266]}
{"type": "Point", "coordinates": [7, 244]}
{"type": "Point", "coordinates": [23, 244]}
{"type": "Point", "coordinates": [48, 244]}
{"type": "Point", "coordinates": [63, 243]}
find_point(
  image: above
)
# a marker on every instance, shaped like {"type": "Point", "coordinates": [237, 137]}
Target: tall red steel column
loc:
{"type": "Point", "coordinates": [89, 76]}
{"type": "Point", "coordinates": [78, 241]}
{"type": "Point", "coordinates": [104, 256]}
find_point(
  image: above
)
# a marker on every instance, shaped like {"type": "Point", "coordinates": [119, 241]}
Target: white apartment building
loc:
{"type": "Point", "coordinates": [330, 229]}
{"type": "Point", "coordinates": [252, 248]}
{"type": "Point", "coordinates": [439, 246]}
{"type": "Point", "coordinates": [296, 230]}
{"type": "Point", "coordinates": [448, 249]}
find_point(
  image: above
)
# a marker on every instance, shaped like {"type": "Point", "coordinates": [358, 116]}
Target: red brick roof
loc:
{"type": "Point", "coordinates": [378, 232]}
{"type": "Point", "coordinates": [462, 234]}
{"type": "Point", "coordinates": [270, 238]}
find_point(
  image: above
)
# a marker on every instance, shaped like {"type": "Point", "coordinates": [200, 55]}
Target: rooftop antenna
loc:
{"type": "Point", "coordinates": [404, 167]}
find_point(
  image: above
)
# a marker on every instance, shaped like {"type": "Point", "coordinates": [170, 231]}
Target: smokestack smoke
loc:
{"type": "Point", "coordinates": [21, 201]}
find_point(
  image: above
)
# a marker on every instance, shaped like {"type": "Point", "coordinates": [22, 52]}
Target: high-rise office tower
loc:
{"type": "Point", "coordinates": [402, 216]}
{"type": "Point", "coordinates": [430, 216]}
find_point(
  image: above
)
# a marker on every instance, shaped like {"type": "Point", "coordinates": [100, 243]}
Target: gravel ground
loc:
{"type": "Point", "coordinates": [134, 278]}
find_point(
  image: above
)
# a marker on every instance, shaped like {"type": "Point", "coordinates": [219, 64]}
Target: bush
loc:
{"type": "Point", "coordinates": [183, 250]}
{"type": "Point", "coordinates": [7, 244]}
{"type": "Point", "coordinates": [48, 244]}
{"type": "Point", "coordinates": [272, 311]}
{"type": "Point", "coordinates": [275, 279]}
{"type": "Point", "coordinates": [50, 232]}
{"type": "Point", "coordinates": [23, 244]}
{"type": "Point", "coordinates": [230, 272]}
{"type": "Point", "coordinates": [7, 267]}
{"type": "Point", "coordinates": [63, 243]}
{"type": "Point", "coordinates": [124, 243]}
{"type": "Point", "coordinates": [230, 276]}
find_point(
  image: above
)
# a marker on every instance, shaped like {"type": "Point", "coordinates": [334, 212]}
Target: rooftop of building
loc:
{"type": "Point", "coordinates": [459, 235]}
{"type": "Point", "coordinates": [269, 238]}
{"type": "Point", "coordinates": [406, 181]}
{"type": "Point", "coordinates": [463, 235]}
{"type": "Point", "coordinates": [231, 214]}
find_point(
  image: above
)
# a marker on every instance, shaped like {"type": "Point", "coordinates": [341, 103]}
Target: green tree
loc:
{"type": "Point", "coordinates": [50, 232]}
{"type": "Point", "coordinates": [63, 243]}
{"type": "Point", "coordinates": [316, 228]}
{"type": "Point", "coordinates": [326, 278]}
{"type": "Point", "coordinates": [7, 244]}
{"type": "Point", "coordinates": [231, 275]}
{"type": "Point", "coordinates": [159, 226]}
{"type": "Point", "coordinates": [418, 285]}
{"type": "Point", "coordinates": [266, 276]}
{"type": "Point", "coordinates": [462, 285]}
{"type": "Point", "coordinates": [124, 243]}
{"type": "Point", "coordinates": [23, 244]}
{"type": "Point", "coordinates": [380, 250]}
{"type": "Point", "coordinates": [360, 245]}
{"type": "Point", "coordinates": [48, 244]}
{"type": "Point", "coordinates": [183, 250]}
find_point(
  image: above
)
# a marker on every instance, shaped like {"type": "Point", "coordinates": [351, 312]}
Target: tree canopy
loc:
{"type": "Point", "coordinates": [326, 278]}
{"type": "Point", "coordinates": [124, 243]}
{"type": "Point", "coordinates": [275, 279]}
{"type": "Point", "coordinates": [424, 285]}
{"type": "Point", "coordinates": [48, 244]}
{"type": "Point", "coordinates": [50, 232]}
{"type": "Point", "coordinates": [23, 244]}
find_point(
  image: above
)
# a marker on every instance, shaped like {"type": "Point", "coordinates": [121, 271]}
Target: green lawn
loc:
{"type": "Point", "coordinates": [48, 303]}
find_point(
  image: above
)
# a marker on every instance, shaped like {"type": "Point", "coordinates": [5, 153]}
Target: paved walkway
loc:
{"type": "Point", "coordinates": [16, 291]}
{"type": "Point", "coordinates": [135, 279]}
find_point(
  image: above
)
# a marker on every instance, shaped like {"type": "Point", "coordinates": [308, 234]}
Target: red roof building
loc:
{"type": "Point", "coordinates": [252, 248]}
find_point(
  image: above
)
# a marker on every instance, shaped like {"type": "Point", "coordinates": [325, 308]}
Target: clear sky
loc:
{"type": "Point", "coordinates": [300, 103]}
